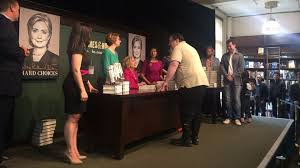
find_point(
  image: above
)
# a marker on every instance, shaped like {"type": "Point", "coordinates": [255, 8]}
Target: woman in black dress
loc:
{"type": "Point", "coordinates": [76, 86]}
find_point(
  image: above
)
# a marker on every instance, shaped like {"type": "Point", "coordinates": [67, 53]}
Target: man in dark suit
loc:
{"type": "Point", "coordinates": [277, 92]}
{"type": "Point", "coordinates": [232, 67]}
{"type": "Point", "coordinates": [261, 96]}
{"type": "Point", "coordinates": [11, 60]}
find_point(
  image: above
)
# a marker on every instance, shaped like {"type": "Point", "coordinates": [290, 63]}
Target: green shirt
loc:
{"type": "Point", "coordinates": [108, 58]}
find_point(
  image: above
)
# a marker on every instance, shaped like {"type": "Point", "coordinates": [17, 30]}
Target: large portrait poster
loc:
{"type": "Point", "coordinates": [137, 47]}
{"type": "Point", "coordinates": [39, 32]}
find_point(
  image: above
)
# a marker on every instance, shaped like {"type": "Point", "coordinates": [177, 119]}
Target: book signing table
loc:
{"type": "Point", "coordinates": [117, 120]}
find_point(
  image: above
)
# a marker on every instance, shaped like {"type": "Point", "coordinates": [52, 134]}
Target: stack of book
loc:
{"type": "Point", "coordinates": [43, 132]}
{"type": "Point", "coordinates": [125, 87]}
{"type": "Point", "coordinates": [147, 88]}
{"type": "Point", "coordinates": [172, 85]}
{"type": "Point", "coordinates": [113, 89]}
{"type": "Point", "coordinates": [214, 78]}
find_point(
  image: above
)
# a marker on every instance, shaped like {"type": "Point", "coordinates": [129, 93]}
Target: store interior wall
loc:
{"type": "Point", "coordinates": [252, 25]}
{"type": "Point", "coordinates": [155, 19]}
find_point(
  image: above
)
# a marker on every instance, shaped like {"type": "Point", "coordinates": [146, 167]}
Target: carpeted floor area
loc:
{"type": "Point", "coordinates": [226, 146]}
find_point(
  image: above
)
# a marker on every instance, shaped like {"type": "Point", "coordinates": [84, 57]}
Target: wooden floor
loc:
{"type": "Point", "coordinates": [226, 146]}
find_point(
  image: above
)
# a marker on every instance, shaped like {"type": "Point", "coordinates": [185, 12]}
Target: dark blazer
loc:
{"type": "Point", "coordinates": [238, 64]}
{"type": "Point", "coordinates": [48, 61]}
{"type": "Point", "coordinates": [295, 92]}
{"type": "Point", "coordinates": [263, 91]}
{"type": "Point", "coordinates": [277, 90]}
{"type": "Point", "coordinates": [11, 59]}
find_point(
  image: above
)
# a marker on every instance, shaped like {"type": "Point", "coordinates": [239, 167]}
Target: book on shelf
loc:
{"type": "Point", "coordinates": [260, 51]}
{"type": "Point", "coordinates": [251, 64]}
{"type": "Point", "coordinates": [291, 64]}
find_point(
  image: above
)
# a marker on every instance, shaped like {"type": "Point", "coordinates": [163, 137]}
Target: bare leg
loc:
{"type": "Point", "coordinates": [69, 131]}
{"type": "Point", "coordinates": [75, 140]}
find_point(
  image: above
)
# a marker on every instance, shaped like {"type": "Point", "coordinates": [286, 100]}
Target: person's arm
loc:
{"type": "Point", "coordinates": [91, 88]}
{"type": "Point", "coordinates": [170, 74]}
{"type": "Point", "coordinates": [176, 58]}
{"type": "Point", "coordinates": [10, 45]}
{"type": "Point", "coordinates": [283, 90]}
{"type": "Point", "coordinates": [161, 71]}
{"type": "Point", "coordinates": [106, 62]}
{"type": "Point", "coordinates": [222, 67]}
{"type": "Point", "coordinates": [293, 93]}
{"type": "Point", "coordinates": [143, 72]}
{"type": "Point", "coordinates": [76, 64]}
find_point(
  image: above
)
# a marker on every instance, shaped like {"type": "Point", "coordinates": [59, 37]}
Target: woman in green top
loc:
{"type": "Point", "coordinates": [109, 55]}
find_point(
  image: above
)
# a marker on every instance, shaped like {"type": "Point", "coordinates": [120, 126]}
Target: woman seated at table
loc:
{"type": "Point", "coordinates": [152, 68]}
{"type": "Point", "coordinates": [130, 73]}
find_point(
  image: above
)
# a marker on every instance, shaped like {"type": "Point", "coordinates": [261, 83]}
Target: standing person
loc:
{"type": "Point", "coordinates": [152, 68]}
{"type": "Point", "coordinates": [277, 91]}
{"type": "Point", "coordinates": [210, 61]}
{"type": "Point", "coordinates": [11, 61]}
{"type": "Point", "coordinates": [76, 86]}
{"type": "Point", "coordinates": [232, 67]}
{"type": "Point", "coordinates": [295, 90]}
{"type": "Point", "coordinates": [192, 82]}
{"type": "Point", "coordinates": [261, 96]}
{"type": "Point", "coordinates": [247, 87]}
{"type": "Point", "coordinates": [110, 55]}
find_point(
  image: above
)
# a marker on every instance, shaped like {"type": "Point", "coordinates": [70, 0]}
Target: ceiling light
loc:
{"type": "Point", "coordinates": [271, 26]}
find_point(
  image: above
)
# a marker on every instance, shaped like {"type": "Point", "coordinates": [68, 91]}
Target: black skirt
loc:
{"type": "Point", "coordinates": [73, 104]}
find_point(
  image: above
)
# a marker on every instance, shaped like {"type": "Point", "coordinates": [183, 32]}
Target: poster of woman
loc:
{"type": "Point", "coordinates": [137, 48]}
{"type": "Point", "coordinates": [40, 33]}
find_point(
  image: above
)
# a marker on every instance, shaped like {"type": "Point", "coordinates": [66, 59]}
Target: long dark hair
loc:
{"type": "Point", "coordinates": [79, 38]}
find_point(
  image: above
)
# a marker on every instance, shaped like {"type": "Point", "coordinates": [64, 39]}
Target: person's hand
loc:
{"type": "Point", "coordinates": [83, 96]}
{"type": "Point", "coordinates": [229, 77]}
{"type": "Point", "coordinates": [153, 83]}
{"type": "Point", "coordinates": [26, 50]}
{"type": "Point", "coordinates": [164, 87]}
{"type": "Point", "coordinates": [92, 89]}
{"type": "Point", "coordinates": [142, 83]}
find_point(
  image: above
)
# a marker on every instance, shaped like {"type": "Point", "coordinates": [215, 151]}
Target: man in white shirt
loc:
{"type": "Point", "coordinates": [192, 82]}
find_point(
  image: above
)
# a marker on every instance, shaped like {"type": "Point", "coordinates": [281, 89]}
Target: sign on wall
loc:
{"type": "Point", "coordinates": [39, 32]}
{"type": "Point", "coordinates": [137, 47]}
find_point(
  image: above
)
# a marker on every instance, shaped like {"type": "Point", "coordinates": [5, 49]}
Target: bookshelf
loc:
{"type": "Point", "coordinates": [265, 54]}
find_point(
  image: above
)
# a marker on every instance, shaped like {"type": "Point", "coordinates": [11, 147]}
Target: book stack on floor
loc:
{"type": "Point", "coordinates": [113, 89]}
{"type": "Point", "coordinates": [43, 132]}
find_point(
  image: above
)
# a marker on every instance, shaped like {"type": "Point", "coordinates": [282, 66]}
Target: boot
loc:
{"type": "Point", "coordinates": [195, 131]}
{"type": "Point", "coordinates": [185, 139]}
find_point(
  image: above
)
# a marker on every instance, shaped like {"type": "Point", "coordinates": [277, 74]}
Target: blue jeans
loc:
{"type": "Point", "coordinates": [233, 101]}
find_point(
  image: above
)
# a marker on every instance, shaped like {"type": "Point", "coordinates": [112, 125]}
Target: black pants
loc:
{"type": "Point", "coordinates": [274, 107]}
{"type": "Point", "coordinates": [7, 104]}
{"type": "Point", "coordinates": [191, 100]}
{"type": "Point", "coordinates": [260, 106]}
{"type": "Point", "coordinates": [245, 101]}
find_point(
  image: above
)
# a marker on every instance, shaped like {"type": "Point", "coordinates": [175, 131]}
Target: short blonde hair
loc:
{"type": "Point", "coordinates": [111, 38]}
{"type": "Point", "coordinates": [126, 61]}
